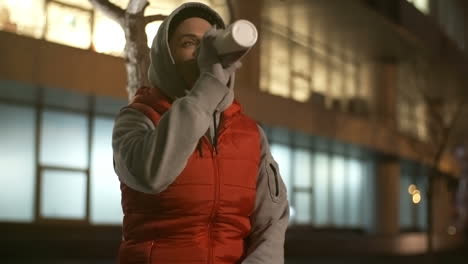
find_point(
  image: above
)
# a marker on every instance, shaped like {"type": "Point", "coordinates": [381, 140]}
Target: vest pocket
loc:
{"type": "Point", "coordinates": [275, 184]}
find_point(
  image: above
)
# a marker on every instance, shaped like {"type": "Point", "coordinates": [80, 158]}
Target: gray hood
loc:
{"type": "Point", "coordinates": [162, 71]}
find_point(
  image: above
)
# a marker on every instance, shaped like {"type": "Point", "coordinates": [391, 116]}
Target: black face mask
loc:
{"type": "Point", "coordinates": [189, 71]}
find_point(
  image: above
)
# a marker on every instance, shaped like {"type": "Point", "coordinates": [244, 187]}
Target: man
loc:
{"type": "Point", "coordinates": [198, 182]}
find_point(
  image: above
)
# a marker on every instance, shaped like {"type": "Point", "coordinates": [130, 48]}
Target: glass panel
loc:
{"type": "Point", "coordinates": [151, 30]}
{"type": "Point", "coordinates": [338, 188]}
{"type": "Point", "coordinates": [108, 36]}
{"type": "Point", "coordinates": [350, 80]}
{"type": "Point", "coordinates": [279, 67]}
{"type": "Point", "coordinates": [25, 17]}
{"type": "Point", "coordinates": [406, 217]}
{"type": "Point", "coordinates": [282, 155]}
{"type": "Point", "coordinates": [420, 114]}
{"type": "Point", "coordinates": [422, 5]}
{"type": "Point", "coordinates": [105, 186]}
{"type": "Point", "coordinates": [18, 91]}
{"type": "Point", "coordinates": [265, 60]}
{"type": "Point", "coordinates": [63, 194]}
{"type": "Point", "coordinates": [303, 168]}
{"type": "Point", "coordinates": [336, 80]}
{"type": "Point", "coordinates": [319, 75]}
{"type": "Point", "coordinates": [300, 74]}
{"type": "Point", "coordinates": [302, 205]}
{"type": "Point", "coordinates": [69, 26]}
{"type": "Point", "coordinates": [355, 192]}
{"type": "Point", "coordinates": [299, 20]}
{"type": "Point", "coordinates": [321, 184]}
{"type": "Point", "coordinates": [421, 207]}
{"type": "Point", "coordinates": [17, 152]}
{"type": "Point", "coordinates": [366, 81]}
{"type": "Point", "coordinates": [64, 140]}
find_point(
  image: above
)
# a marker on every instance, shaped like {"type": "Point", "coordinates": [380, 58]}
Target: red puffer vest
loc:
{"type": "Point", "coordinates": [204, 215]}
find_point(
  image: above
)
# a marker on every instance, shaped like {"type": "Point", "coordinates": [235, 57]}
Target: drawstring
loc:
{"type": "Point", "coordinates": [200, 148]}
{"type": "Point", "coordinates": [215, 137]}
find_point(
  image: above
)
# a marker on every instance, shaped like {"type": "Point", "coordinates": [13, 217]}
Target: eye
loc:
{"type": "Point", "coordinates": [187, 44]}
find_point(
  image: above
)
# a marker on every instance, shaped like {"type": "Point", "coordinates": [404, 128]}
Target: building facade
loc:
{"type": "Point", "coordinates": [330, 81]}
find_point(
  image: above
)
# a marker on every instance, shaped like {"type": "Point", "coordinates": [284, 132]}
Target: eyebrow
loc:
{"type": "Point", "coordinates": [188, 35]}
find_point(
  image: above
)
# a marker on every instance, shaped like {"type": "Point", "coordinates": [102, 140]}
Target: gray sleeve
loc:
{"type": "Point", "coordinates": [149, 158]}
{"type": "Point", "coordinates": [265, 244]}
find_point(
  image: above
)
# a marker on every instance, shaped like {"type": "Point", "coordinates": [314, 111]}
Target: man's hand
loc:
{"type": "Point", "coordinates": [208, 59]}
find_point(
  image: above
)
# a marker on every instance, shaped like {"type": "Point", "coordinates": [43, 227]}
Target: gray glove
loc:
{"type": "Point", "coordinates": [209, 61]}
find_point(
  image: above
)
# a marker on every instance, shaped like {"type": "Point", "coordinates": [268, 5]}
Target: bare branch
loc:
{"type": "Point", "coordinates": [137, 6]}
{"type": "Point", "coordinates": [152, 18]}
{"type": "Point", "coordinates": [113, 11]}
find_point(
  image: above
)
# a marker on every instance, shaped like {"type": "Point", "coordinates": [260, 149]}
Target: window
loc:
{"type": "Point", "coordinates": [303, 186]}
{"type": "Point", "coordinates": [321, 190]}
{"type": "Point", "coordinates": [64, 140]}
{"type": "Point", "coordinates": [282, 155]}
{"type": "Point", "coordinates": [413, 204]}
{"type": "Point", "coordinates": [64, 164]}
{"type": "Point", "coordinates": [108, 36]}
{"type": "Point", "coordinates": [76, 23]}
{"type": "Point", "coordinates": [422, 5]}
{"type": "Point", "coordinates": [25, 17]}
{"type": "Point", "coordinates": [412, 116]}
{"type": "Point", "coordinates": [69, 26]}
{"type": "Point", "coordinates": [297, 60]}
{"type": "Point", "coordinates": [105, 186]}
{"type": "Point", "coordinates": [63, 194]}
{"type": "Point", "coordinates": [326, 187]}
{"type": "Point", "coordinates": [17, 152]}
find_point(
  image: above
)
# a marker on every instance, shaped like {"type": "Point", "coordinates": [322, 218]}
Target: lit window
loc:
{"type": "Point", "coordinates": [421, 127]}
{"type": "Point", "coordinates": [297, 58]}
{"type": "Point", "coordinates": [63, 194]}
{"type": "Point", "coordinates": [300, 74]}
{"type": "Point", "coordinates": [64, 140]}
{"type": "Point", "coordinates": [17, 152]}
{"type": "Point", "coordinates": [108, 35]}
{"type": "Point", "coordinates": [151, 30]}
{"type": "Point", "coordinates": [279, 67]}
{"type": "Point", "coordinates": [105, 186]}
{"type": "Point", "coordinates": [338, 187]}
{"type": "Point", "coordinates": [413, 188]}
{"type": "Point", "coordinates": [303, 168]}
{"type": "Point", "coordinates": [354, 201]}
{"type": "Point", "coordinates": [302, 185]}
{"type": "Point", "coordinates": [302, 205]}
{"type": "Point", "coordinates": [422, 5]}
{"type": "Point", "coordinates": [25, 17]}
{"type": "Point", "coordinates": [69, 26]}
{"type": "Point", "coordinates": [319, 76]}
{"type": "Point", "coordinates": [282, 155]}
{"type": "Point", "coordinates": [321, 183]}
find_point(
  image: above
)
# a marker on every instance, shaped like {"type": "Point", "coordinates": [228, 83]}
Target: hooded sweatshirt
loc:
{"type": "Point", "coordinates": [148, 158]}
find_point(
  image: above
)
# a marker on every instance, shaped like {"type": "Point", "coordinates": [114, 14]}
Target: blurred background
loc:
{"type": "Point", "coordinates": [364, 103]}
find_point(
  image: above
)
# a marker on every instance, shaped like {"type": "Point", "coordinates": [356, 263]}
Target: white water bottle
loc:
{"type": "Point", "coordinates": [235, 41]}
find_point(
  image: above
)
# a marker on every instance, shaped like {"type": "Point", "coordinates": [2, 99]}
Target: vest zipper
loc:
{"type": "Point", "coordinates": [216, 191]}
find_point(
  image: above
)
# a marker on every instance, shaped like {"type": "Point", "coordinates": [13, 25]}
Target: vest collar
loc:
{"type": "Point", "coordinates": [157, 100]}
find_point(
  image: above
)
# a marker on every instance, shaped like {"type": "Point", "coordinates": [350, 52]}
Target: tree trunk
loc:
{"type": "Point", "coordinates": [136, 52]}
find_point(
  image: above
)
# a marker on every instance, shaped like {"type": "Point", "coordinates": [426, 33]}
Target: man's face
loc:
{"type": "Point", "coordinates": [183, 45]}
